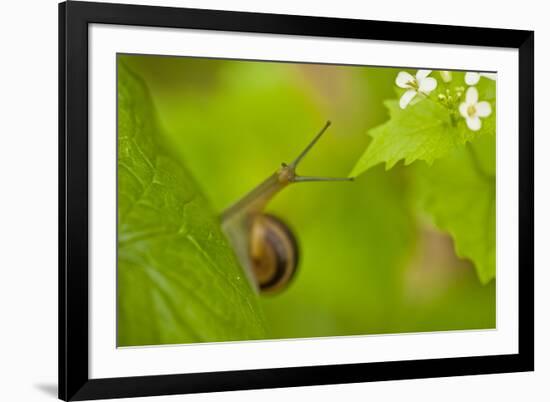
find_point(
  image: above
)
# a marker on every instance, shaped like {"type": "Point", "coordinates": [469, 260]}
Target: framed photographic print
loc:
{"type": "Point", "coordinates": [256, 200]}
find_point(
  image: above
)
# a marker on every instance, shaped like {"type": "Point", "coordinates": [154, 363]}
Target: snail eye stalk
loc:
{"type": "Point", "coordinates": [296, 161]}
{"type": "Point", "coordinates": [314, 178]}
{"type": "Point", "coordinates": [310, 145]}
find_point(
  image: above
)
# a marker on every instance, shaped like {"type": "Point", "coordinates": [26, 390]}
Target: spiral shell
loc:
{"type": "Point", "coordinates": [273, 253]}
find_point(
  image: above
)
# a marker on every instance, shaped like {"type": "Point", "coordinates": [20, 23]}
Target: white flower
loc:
{"type": "Point", "coordinates": [473, 78]}
{"type": "Point", "coordinates": [414, 85]}
{"type": "Point", "coordinates": [446, 76]}
{"type": "Point", "coordinates": [472, 110]}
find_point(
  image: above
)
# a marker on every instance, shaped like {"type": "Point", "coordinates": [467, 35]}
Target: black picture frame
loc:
{"type": "Point", "coordinates": [74, 18]}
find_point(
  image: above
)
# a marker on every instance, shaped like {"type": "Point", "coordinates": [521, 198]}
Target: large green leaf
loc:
{"type": "Point", "coordinates": [178, 279]}
{"type": "Point", "coordinates": [459, 193]}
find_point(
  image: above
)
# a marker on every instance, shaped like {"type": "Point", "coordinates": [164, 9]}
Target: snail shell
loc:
{"type": "Point", "coordinates": [273, 253]}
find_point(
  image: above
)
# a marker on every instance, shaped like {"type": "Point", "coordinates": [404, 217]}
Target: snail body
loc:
{"type": "Point", "coordinates": [265, 245]}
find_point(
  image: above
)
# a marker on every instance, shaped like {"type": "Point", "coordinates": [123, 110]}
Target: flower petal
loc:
{"type": "Point", "coordinates": [403, 78]}
{"type": "Point", "coordinates": [406, 98]}
{"type": "Point", "coordinates": [421, 74]}
{"type": "Point", "coordinates": [483, 109]}
{"type": "Point", "coordinates": [471, 78]}
{"type": "Point", "coordinates": [463, 109]}
{"type": "Point", "coordinates": [446, 76]}
{"type": "Point", "coordinates": [471, 96]}
{"type": "Point", "coordinates": [473, 123]}
{"type": "Point", "coordinates": [427, 85]}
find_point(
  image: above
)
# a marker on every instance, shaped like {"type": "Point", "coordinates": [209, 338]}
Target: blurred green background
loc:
{"type": "Point", "coordinates": [370, 263]}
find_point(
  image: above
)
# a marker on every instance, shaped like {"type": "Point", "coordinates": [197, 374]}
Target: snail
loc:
{"type": "Point", "coordinates": [265, 246]}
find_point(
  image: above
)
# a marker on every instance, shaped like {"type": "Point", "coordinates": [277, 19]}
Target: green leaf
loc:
{"type": "Point", "coordinates": [459, 193]}
{"type": "Point", "coordinates": [422, 131]}
{"type": "Point", "coordinates": [178, 279]}
{"type": "Point", "coordinates": [425, 130]}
